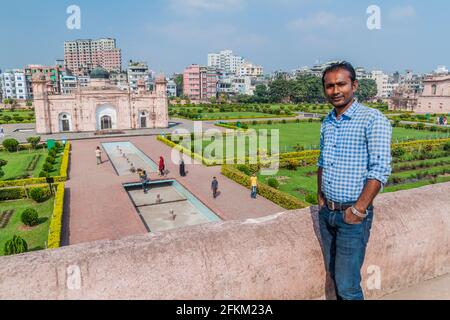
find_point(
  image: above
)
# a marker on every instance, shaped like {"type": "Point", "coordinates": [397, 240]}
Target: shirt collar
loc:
{"type": "Point", "coordinates": [347, 114]}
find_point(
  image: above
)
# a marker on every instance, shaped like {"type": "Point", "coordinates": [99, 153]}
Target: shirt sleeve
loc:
{"type": "Point", "coordinates": [379, 135]}
{"type": "Point", "coordinates": [320, 161]}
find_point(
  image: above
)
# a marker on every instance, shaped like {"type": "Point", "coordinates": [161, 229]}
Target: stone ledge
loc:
{"type": "Point", "coordinates": [275, 257]}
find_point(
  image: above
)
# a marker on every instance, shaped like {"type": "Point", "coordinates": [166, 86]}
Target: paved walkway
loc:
{"type": "Point", "coordinates": [97, 206]}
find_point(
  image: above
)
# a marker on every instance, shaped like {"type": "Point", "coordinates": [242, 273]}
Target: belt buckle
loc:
{"type": "Point", "coordinates": [332, 205]}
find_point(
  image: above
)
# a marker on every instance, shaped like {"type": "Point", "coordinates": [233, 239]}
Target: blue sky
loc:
{"type": "Point", "coordinates": [278, 34]}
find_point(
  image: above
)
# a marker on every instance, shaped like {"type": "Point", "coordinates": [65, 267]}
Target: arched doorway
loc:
{"type": "Point", "coordinates": [65, 122]}
{"type": "Point", "coordinates": [105, 122]}
{"type": "Point", "coordinates": [143, 118]}
{"type": "Point", "coordinates": [106, 117]}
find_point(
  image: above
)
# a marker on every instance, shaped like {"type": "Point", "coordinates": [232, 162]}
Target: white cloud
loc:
{"type": "Point", "coordinates": [400, 13]}
{"type": "Point", "coordinates": [197, 6]}
{"type": "Point", "coordinates": [320, 20]}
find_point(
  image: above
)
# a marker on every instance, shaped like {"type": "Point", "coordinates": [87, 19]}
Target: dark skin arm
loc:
{"type": "Point", "coordinates": [320, 197]}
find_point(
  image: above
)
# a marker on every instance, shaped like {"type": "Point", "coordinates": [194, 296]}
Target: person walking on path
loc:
{"type": "Point", "coordinates": [254, 185]}
{"type": "Point", "coordinates": [354, 164]}
{"type": "Point", "coordinates": [214, 187]}
{"type": "Point", "coordinates": [98, 155]}
{"type": "Point", "coordinates": [144, 180]}
{"type": "Point", "coordinates": [162, 166]}
{"type": "Point", "coordinates": [182, 168]}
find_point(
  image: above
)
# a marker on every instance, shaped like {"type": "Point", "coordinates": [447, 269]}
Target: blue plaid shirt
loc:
{"type": "Point", "coordinates": [353, 149]}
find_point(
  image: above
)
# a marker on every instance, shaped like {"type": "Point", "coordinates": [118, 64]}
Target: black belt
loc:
{"type": "Point", "coordinates": [338, 206]}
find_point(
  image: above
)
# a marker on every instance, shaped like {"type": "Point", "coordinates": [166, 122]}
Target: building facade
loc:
{"type": "Point", "coordinates": [200, 83]}
{"type": "Point", "coordinates": [53, 73]}
{"type": "Point", "coordinates": [171, 88]}
{"type": "Point", "coordinates": [82, 56]}
{"type": "Point", "coordinates": [250, 70]}
{"type": "Point", "coordinates": [225, 60]}
{"type": "Point", "coordinates": [435, 97]}
{"type": "Point", "coordinates": [99, 106]}
{"type": "Point", "coordinates": [137, 71]}
{"type": "Point", "coordinates": [14, 85]}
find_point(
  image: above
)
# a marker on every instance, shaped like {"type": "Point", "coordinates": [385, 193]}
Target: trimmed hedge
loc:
{"type": "Point", "coordinates": [54, 233]}
{"type": "Point", "coordinates": [61, 178]}
{"type": "Point", "coordinates": [282, 199]}
{"type": "Point", "coordinates": [12, 194]}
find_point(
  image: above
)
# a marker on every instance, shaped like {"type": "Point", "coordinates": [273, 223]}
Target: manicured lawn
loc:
{"type": "Point", "coordinates": [308, 134]}
{"type": "Point", "coordinates": [36, 237]}
{"type": "Point", "coordinates": [298, 182]}
{"type": "Point", "coordinates": [22, 113]}
{"type": "Point", "coordinates": [19, 161]}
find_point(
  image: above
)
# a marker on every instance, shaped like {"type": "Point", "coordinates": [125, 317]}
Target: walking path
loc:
{"type": "Point", "coordinates": [97, 206]}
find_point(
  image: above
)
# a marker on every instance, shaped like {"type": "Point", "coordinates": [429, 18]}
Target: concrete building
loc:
{"type": "Point", "coordinates": [138, 71]}
{"type": "Point", "coordinates": [99, 106]}
{"type": "Point", "coordinates": [361, 73]}
{"type": "Point", "coordinates": [200, 83]}
{"type": "Point", "coordinates": [68, 84]}
{"type": "Point", "coordinates": [384, 85]}
{"type": "Point", "coordinates": [171, 88]}
{"type": "Point", "coordinates": [82, 56]}
{"type": "Point", "coordinates": [53, 73]}
{"type": "Point", "coordinates": [14, 85]}
{"type": "Point", "coordinates": [250, 70]}
{"type": "Point", "coordinates": [435, 97]}
{"type": "Point", "coordinates": [225, 60]}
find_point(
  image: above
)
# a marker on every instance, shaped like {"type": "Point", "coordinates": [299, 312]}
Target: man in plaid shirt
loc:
{"type": "Point", "coordinates": [354, 164]}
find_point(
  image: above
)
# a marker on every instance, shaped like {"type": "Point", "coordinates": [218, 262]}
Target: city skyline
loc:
{"type": "Point", "coordinates": [173, 34]}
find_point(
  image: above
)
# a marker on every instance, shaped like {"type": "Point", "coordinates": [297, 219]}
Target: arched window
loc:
{"type": "Point", "coordinates": [433, 89]}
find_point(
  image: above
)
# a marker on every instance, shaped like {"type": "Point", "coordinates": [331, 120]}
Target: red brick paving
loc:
{"type": "Point", "coordinates": [98, 207]}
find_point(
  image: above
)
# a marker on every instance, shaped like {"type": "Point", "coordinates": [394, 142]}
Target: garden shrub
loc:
{"type": "Point", "coordinates": [311, 198]}
{"type": "Point", "coordinates": [11, 144]}
{"type": "Point", "coordinates": [47, 167]}
{"type": "Point", "coordinates": [398, 151]}
{"type": "Point", "coordinates": [244, 169]}
{"type": "Point", "coordinates": [292, 164]}
{"type": "Point", "coordinates": [446, 146]}
{"type": "Point", "coordinates": [44, 174]}
{"type": "Point", "coordinates": [272, 182]}
{"type": "Point", "coordinates": [34, 141]}
{"type": "Point", "coordinates": [51, 160]}
{"type": "Point", "coordinates": [12, 194]}
{"type": "Point", "coordinates": [30, 217]}
{"type": "Point", "coordinates": [15, 245]}
{"type": "Point", "coordinates": [38, 194]}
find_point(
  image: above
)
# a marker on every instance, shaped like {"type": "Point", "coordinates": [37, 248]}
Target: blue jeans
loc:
{"type": "Point", "coordinates": [344, 248]}
{"type": "Point", "coordinates": [253, 194]}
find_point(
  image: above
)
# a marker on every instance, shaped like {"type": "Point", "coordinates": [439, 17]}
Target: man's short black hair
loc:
{"type": "Point", "coordinates": [340, 65]}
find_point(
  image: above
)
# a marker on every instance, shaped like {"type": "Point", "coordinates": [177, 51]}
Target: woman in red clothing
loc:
{"type": "Point", "coordinates": [161, 166]}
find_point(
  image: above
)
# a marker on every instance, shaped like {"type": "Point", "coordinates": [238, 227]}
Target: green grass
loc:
{"type": "Point", "coordinates": [23, 113]}
{"type": "Point", "coordinates": [36, 237]}
{"type": "Point", "coordinates": [406, 174]}
{"type": "Point", "coordinates": [295, 182]}
{"type": "Point", "coordinates": [307, 135]}
{"type": "Point", "coordinates": [18, 163]}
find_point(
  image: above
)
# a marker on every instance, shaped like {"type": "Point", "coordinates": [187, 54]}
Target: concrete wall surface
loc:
{"type": "Point", "coordinates": [275, 257]}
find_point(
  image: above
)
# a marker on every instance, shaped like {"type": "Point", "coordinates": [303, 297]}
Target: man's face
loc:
{"type": "Point", "coordinates": [338, 88]}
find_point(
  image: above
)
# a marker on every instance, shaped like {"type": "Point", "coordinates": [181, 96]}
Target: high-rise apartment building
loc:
{"type": "Point", "coordinates": [200, 83]}
{"type": "Point", "coordinates": [225, 60]}
{"type": "Point", "coordinates": [82, 56]}
{"type": "Point", "coordinates": [138, 71]}
{"type": "Point", "coordinates": [14, 85]}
